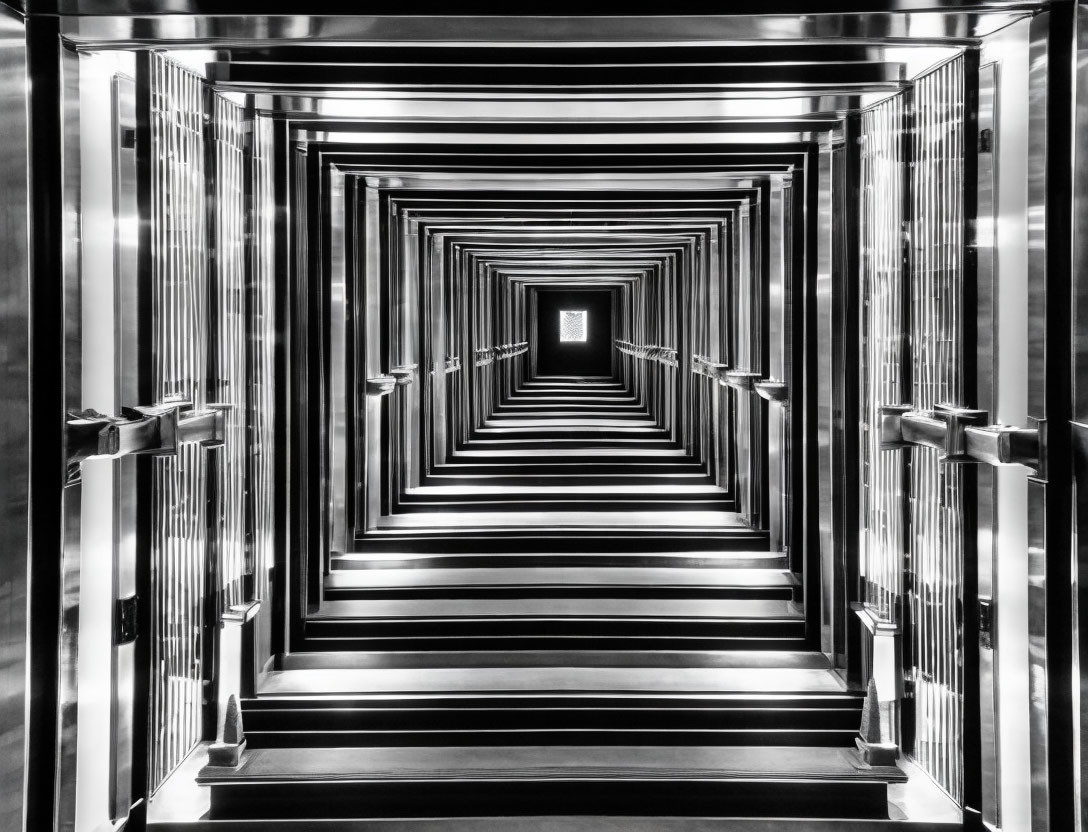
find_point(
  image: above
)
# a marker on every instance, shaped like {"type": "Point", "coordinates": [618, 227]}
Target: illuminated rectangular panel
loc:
{"type": "Point", "coordinates": [572, 325]}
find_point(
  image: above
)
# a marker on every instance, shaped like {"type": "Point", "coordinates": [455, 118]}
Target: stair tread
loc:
{"type": "Point", "coordinates": [499, 681]}
{"type": "Point", "coordinates": [623, 608]}
{"type": "Point", "coordinates": [532, 763]}
{"type": "Point", "coordinates": [440, 521]}
{"type": "Point", "coordinates": [547, 453]}
{"type": "Point", "coordinates": [584, 421]}
{"type": "Point", "coordinates": [581, 576]}
{"type": "Point", "coordinates": [656, 489]}
{"type": "Point", "coordinates": [598, 659]}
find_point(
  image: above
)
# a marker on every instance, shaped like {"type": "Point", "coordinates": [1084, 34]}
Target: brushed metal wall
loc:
{"type": "Point", "coordinates": [14, 416]}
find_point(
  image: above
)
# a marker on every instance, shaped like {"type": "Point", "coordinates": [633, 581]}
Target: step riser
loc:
{"type": "Point", "coordinates": [751, 798]}
{"type": "Point", "coordinates": [521, 503]}
{"type": "Point", "coordinates": [530, 718]}
{"type": "Point", "coordinates": [562, 442]}
{"type": "Point", "coordinates": [316, 738]}
{"type": "Point", "coordinates": [377, 560]}
{"type": "Point", "coordinates": [775, 720]}
{"type": "Point", "coordinates": [561, 627]}
{"type": "Point", "coordinates": [556, 464]}
{"type": "Point", "coordinates": [615, 547]}
{"type": "Point", "coordinates": [501, 644]}
{"type": "Point", "coordinates": [715, 593]}
{"type": "Point", "coordinates": [525, 478]}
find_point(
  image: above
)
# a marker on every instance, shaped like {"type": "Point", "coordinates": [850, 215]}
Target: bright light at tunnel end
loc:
{"type": "Point", "coordinates": [572, 325]}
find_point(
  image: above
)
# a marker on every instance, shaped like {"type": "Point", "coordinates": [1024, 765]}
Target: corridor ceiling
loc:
{"type": "Point", "coordinates": [759, 68]}
{"type": "Point", "coordinates": [712, 96]}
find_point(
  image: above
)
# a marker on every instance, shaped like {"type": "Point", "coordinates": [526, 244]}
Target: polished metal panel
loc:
{"type": "Point", "coordinates": [126, 294]}
{"type": "Point", "coordinates": [820, 386]}
{"type": "Point", "coordinates": [179, 368]}
{"type": "Point", "coordinates": [340, 391]}
{"type": "Point", "coordinates": [1080, 414]}
{"type": "Point", "coordinates": [918, 24]}
{"type": "Point", "coordinates": [1037, 372]}
{"type": "Point", "coordinates": [985, 380]}
{"type": "Point", "coordinates": [67, 750]}
{"type": "Point", "coordinates": [937, 358]}
{"type": "Point", "coordinates": [750, 107]}
{"type": "Point", "coordinates": [1006, 488]}
{"type": "Point", "coordinates": [15, 438]}
{"type": "Point", "coordinates": [1080, 553]}
{"type": "Point", "coordinates": [780, 232]}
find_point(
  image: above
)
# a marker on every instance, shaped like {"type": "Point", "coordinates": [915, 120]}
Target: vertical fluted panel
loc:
{"type": "Point", "coordinates": [262, 336]}
{"type": "Point", "coordinates": [179, 349]}
{"type": "Point", "coordinates": [936, 501]}
{"type": "Point", "coordinates": [227, 383]}
{"type": "Point", "coordinates": [882, 322]}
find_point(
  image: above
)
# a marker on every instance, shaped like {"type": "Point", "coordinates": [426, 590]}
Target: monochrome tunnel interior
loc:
{"type": "Point", "coordinates": [563, 421]}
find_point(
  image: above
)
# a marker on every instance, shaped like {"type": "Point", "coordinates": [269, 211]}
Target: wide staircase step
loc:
{"type": "Point", "coordinates": [424, 781]}
{"type": "Point", "coordinates": [552, 698]}
{"type": "Point", "coordinates": [521, 601]}
{"type": "Point", "coordinates": [383, 734]}
{"type": "Point", "coordinates": [558, 581]}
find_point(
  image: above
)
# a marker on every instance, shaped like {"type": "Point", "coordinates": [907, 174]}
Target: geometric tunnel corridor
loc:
{"type": "Point", "coordinates": [559, 421]}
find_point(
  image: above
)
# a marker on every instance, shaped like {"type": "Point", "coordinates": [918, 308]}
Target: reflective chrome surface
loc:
{"type": "Point", "coordinates": [1080, 415]}
{"type": "Point", "coordinates": [1038, 367]}
{"type": "Point", "coordinates": [15, 438]}
{"type": "Point", "coordinates": [986, 285]}
{"type": "Point", "coordinates": [68, 693]}
{"type": "Point", "coordinates": [921, 26]}
{"type": "Point", "coordinates": [412, 319]}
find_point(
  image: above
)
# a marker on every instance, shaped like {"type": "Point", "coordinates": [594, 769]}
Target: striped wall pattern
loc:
{"type": "Point", "coordinates": [937, 358]}
{"type": "Point", "coordinates": [227, 384]}
{"type": "Point", "coordinates": [179, 514]}
{"type": "Point", "coordinates": [882, 356]}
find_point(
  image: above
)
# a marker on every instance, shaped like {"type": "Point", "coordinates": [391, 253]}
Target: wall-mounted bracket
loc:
{"type": "Point", "coordinates": [1004, 445]}
{"type": "Point", "coordinates": [484, 356]}
{"type": "Point", "coordinates": [772, 390]}
{"type": "Point", "coordinates": [380, 386]}
{"type": "Point", "coordinates": [404, 374]}
{"type": "Point", "coordinates": [158, 430]}
{"type": "Point", "coordinates": [943, 428]}
{"type": "Point", "coordinates": [651, 352]}
{"type": "Point", "coordinates": [742, 379]}
{"type": "Point", "coordinates": [703, 366]}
